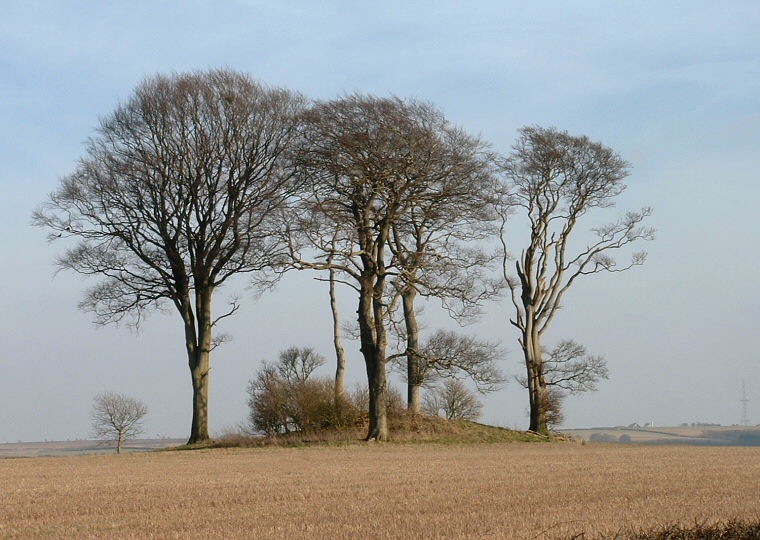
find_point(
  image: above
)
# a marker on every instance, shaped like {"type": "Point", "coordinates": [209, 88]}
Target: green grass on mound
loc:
{"type": "Point", "coordinates": [405, 430]}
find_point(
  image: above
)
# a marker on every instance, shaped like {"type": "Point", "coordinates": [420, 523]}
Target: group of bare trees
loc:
{"type": "Point", "coordinates": [203, 176]}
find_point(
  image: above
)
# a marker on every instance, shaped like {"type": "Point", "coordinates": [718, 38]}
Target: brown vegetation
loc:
{"type": "Point", "coordinates": [426, 491]}
{"type": "Point", "coordinates": [732, 530]}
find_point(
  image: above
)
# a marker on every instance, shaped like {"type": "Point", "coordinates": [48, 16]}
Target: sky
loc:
{"type": "Point", "coordinates": [673, 87]}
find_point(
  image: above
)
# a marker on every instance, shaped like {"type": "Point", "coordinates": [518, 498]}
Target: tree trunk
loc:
{"type": "Point", "coordinates": [119, 439]}
{"type": "Point", "coordinates": [199, 367]}
{"type": "Point", "coordinates": [198, 356]}
{"type": "Point", "coordinates": [378, 397]}
{"type": "Point", "coordinates": [340, 355]}
{"type": "Point", "coordinates": [412, 355]}
{"type": "Point", "coordinates": [536, 385]}
{"type": "Point", "coordinates": [372, 336]}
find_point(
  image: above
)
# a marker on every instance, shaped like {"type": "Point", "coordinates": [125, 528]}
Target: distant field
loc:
{"type": "Point", "coordinates": [66, 448]}
{"type": "Point", "coordinates": [378, 491]}
{"type": "Point", "coordinates": [696, 435]}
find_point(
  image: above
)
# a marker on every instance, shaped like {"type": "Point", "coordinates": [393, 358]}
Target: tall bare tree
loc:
{"type": "Point", "coordinates": [368, 161]}
{"type": "Point", "coordinates": [117, 418]}
{"type": "Point", "coordinates": [434, 242]}
{"type": "Point", "coordinates": [340, 353]}
{"type": "Point", "coordinates": [554, 179]}
{"type": "Point", "coordinates": [176, 195]}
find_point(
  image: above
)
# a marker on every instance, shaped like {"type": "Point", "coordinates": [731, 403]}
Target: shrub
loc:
{"type": "Point", "coordinates": [277, 406]}
{"type": "Point", "coordinates": [285, 398]}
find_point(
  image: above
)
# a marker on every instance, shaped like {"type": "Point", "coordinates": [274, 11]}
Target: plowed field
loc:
{"type": "Point", "coordinates": [377, 491]}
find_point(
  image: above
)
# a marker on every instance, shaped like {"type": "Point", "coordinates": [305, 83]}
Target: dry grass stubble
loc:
{"type": "Point", "coordinates": [377, 491]}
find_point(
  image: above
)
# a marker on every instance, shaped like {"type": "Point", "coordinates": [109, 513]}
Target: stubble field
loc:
{"type": "Point", "coordinates": [377, 491]}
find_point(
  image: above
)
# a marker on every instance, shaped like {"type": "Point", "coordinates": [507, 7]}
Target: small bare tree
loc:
{"type": "Point", "coordinates": [447, 354]}
{"type": "Point", "coordinates": [117, 418]}
{"type": "Point", "coordinates": [296, 365]}
{"type": "Point", "coordinates": [570, 369]}
{"type": "Point", "coordinates": [455, 400]}
{"type": "Point", "coordinates": [555, 179]}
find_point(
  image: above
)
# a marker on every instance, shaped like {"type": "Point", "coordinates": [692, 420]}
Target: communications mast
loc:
{"type": "Point", "coordinates": [744, 400]}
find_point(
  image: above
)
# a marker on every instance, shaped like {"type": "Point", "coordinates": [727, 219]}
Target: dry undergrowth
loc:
{"type": "Point", "coordinates": [389, 491]}
{"type": "Point", "coordinates": [731, 530]}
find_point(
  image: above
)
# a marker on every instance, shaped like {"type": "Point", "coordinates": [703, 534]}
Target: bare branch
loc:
{"type": "Point", "coordinates": [234, 306]}
{"type": "Point", "coordinates": [571, 369]}
{"type": "Point", "coordinates": [448, 354]}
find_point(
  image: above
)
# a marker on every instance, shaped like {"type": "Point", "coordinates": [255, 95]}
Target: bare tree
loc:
{"type": "Point", "coordinates": [433, 241]}
{"type": "Point", "coordinates": [296, 365]}
{"type": "Point", "coordinates": [567, 370]}
{"type": "Point", "coordinates": [570, 368]}
{"type": "Point", "coordinates": [176, 195]}
{"type": "Point", "coordinates": [455, 400]}
{"type": "Point", "coordinates": [555, 179]}
{"type": "Point", "coordinates": [447, 354]}
{"type": "Point", "coordinates": [366, 160]}
{"type": "Point", "coordinates": [117, 418]}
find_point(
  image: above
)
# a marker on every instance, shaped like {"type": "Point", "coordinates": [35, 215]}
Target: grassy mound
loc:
{"type": "Point", "coordinates": [403, 429]}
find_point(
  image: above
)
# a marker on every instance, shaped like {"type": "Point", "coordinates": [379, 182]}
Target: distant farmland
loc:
{"type": "Point", "coordinates": [68, 448]}
{"type": "Point", "coordinates": [377, 491]}
{"type": "Point", "coordinates": [702, 435]}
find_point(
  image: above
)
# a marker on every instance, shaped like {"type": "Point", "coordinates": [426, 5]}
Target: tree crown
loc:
{"type": "Point", "coordinates": [177, 190]}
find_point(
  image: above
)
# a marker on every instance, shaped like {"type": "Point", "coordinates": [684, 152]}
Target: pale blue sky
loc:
{"type": "Point", "coordinates": [673, 86]}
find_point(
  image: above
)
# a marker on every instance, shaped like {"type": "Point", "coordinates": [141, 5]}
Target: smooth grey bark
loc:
{"type": "Point", "coordinates": [340, 354]}
{"type": "Point", "coordinates": [537, 391]}
{"type": "Point", "coordinates": [372, 336]}
{"type": "Point", "coordinates": [198, 352]}
{"type": "Point", "coordinates": [413, 359]}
